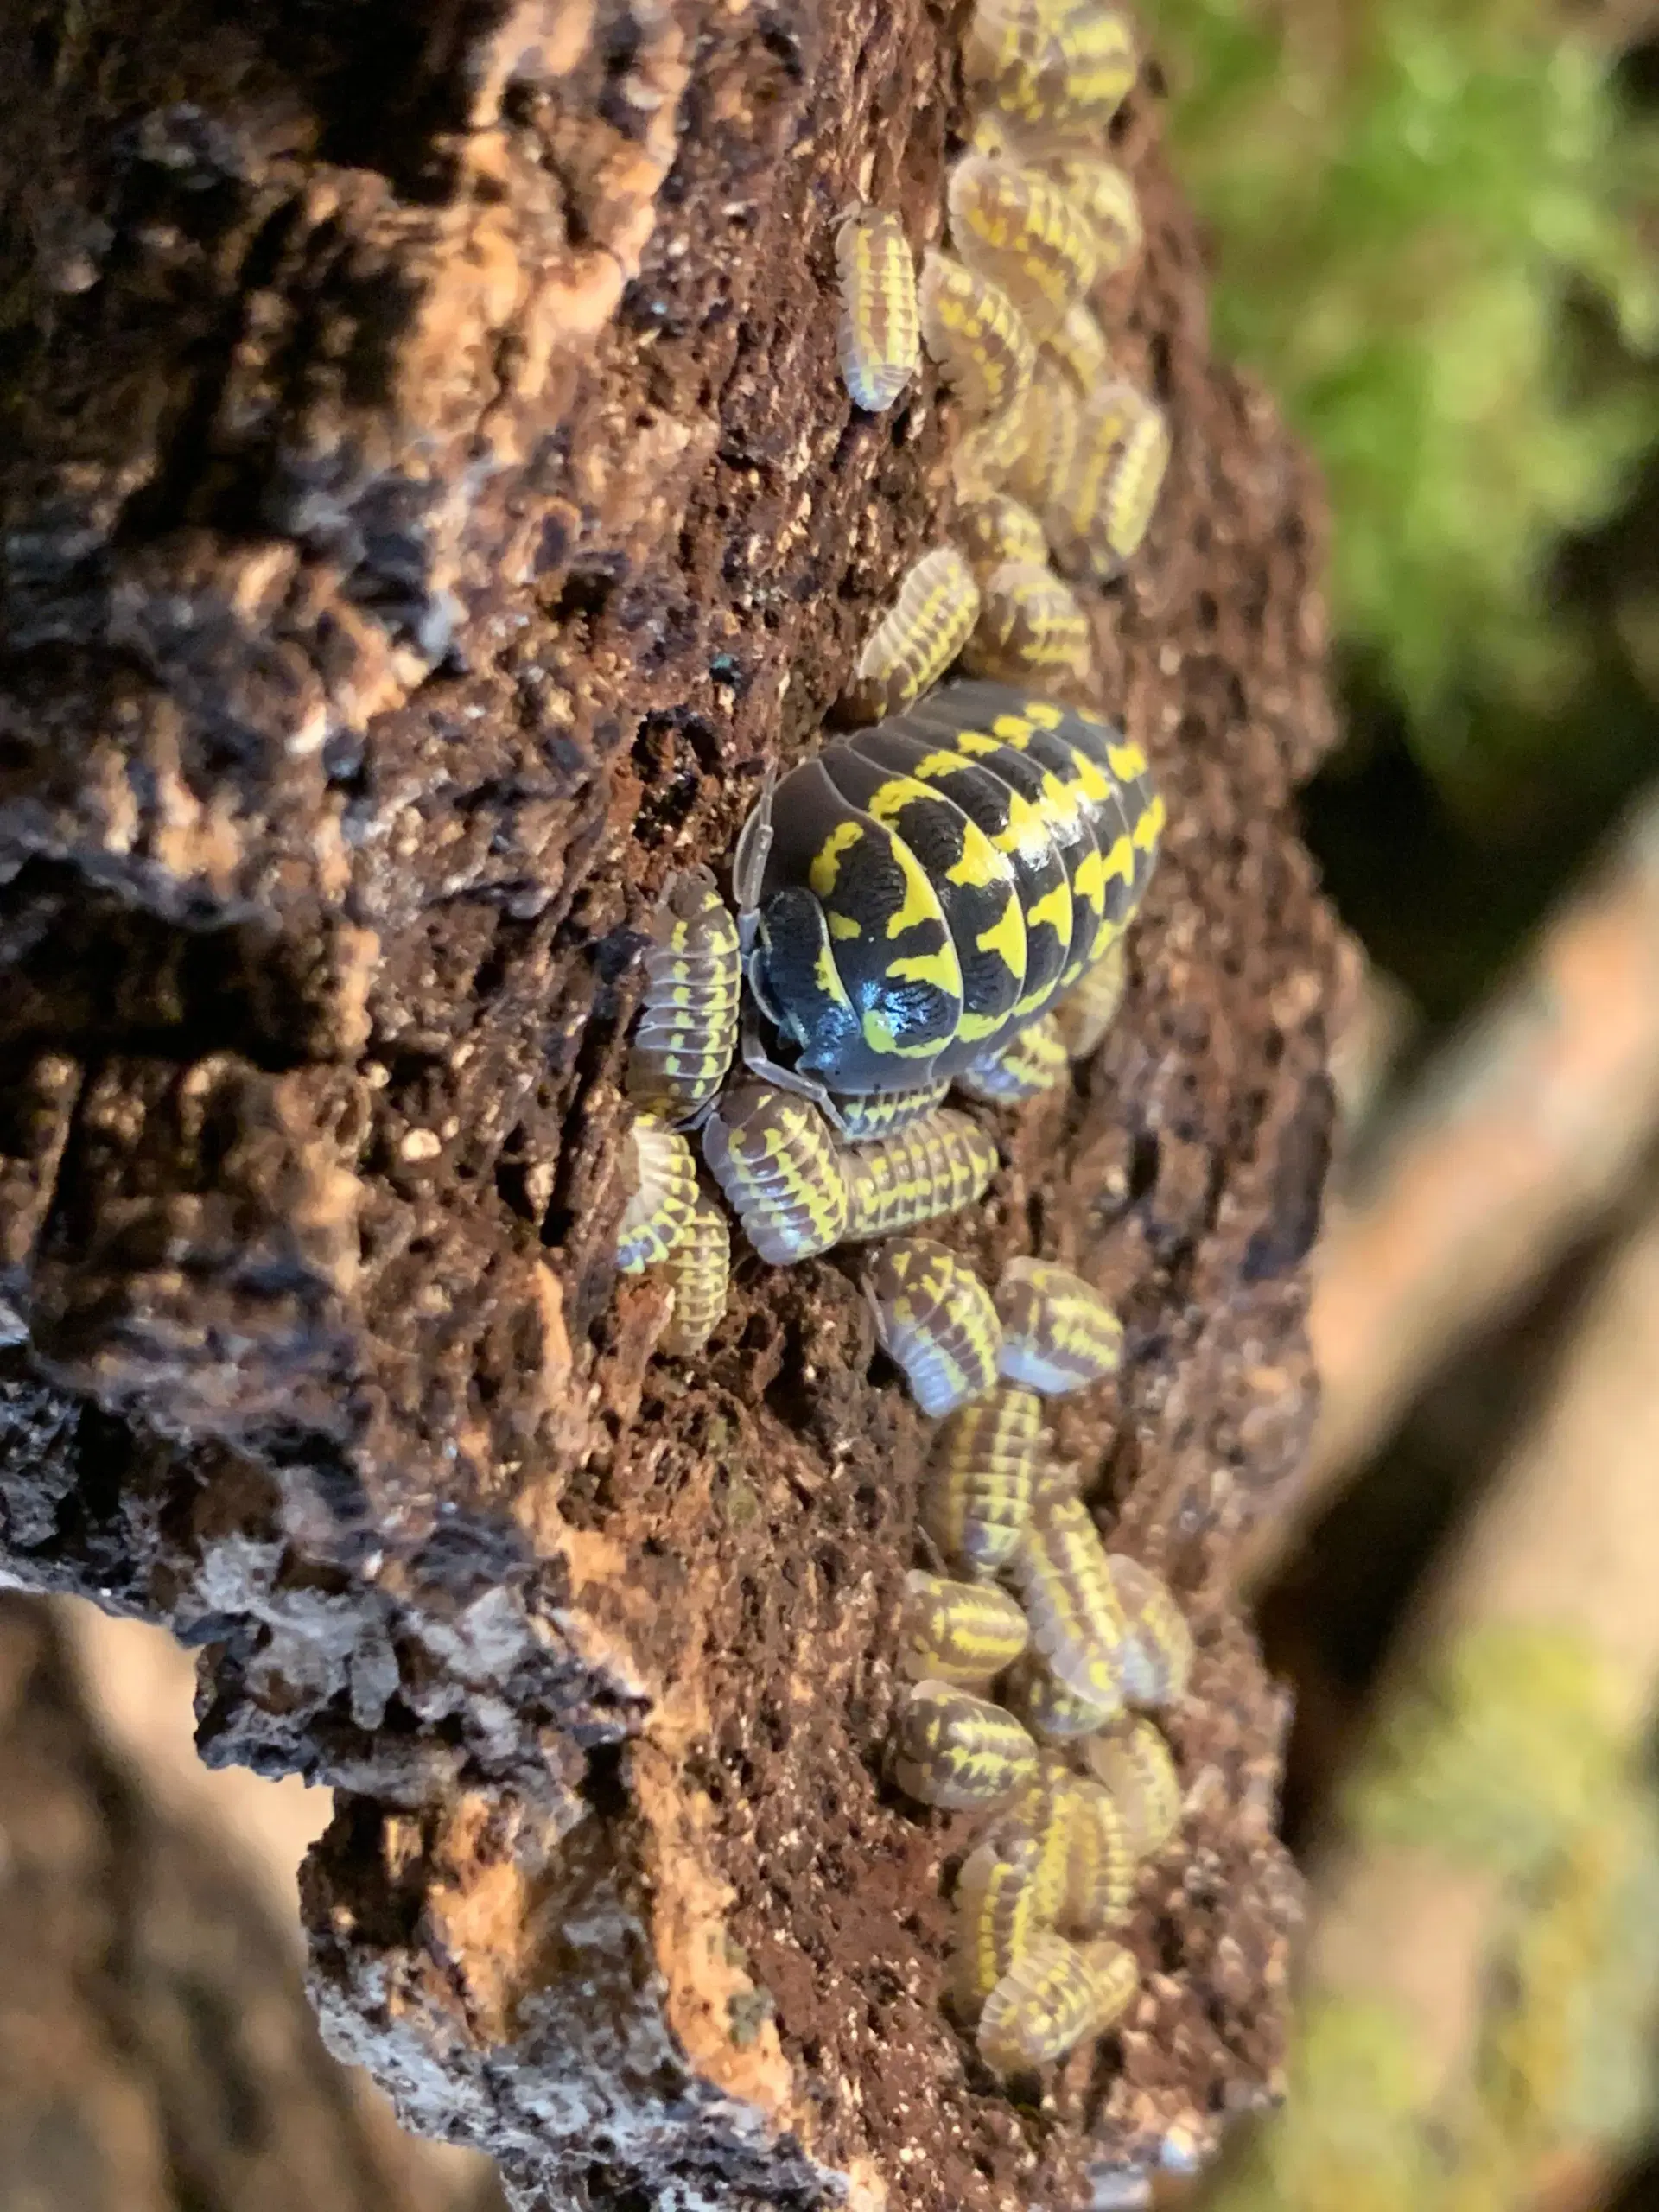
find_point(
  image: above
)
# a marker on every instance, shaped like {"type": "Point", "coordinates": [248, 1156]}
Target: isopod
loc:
{"type": "Point", "coordinates": [959, 1751]}
{"type": "Point", "coordinates": [917, 640]}
{"type": "Point", "coordinates": [699, 1273]}
{"type": "Point", "coordinates": [664, 1196]}
{"type": "Point", "coordinates": [935, 1166]}
{"type": "Point", "coordinates": [936, 1320]}
{"type": "Point", "coordinates": [879, 334]}
{"type": "Point", "coordinates": [1060, 1334]}
{"type": "Point", "coordinates": [772, 1154]}
{"type": "Point", "coordinates": [983, 1477]}
{"type": "Point", "coordinates": [1018, 227]}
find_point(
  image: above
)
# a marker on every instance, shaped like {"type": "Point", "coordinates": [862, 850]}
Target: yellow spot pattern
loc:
{"type": "Point", "coordinates": [773, 1156]}
{"type": "Point", "coordinates": [916, 640]}
{"type": "Point", "coordinates": [959, 1751]}
{"type": "Point", "coordinates": [1060, 1334]}
{"type": "Point", "coordinates": [1019, 229]}
{"type": "Point", "coordinates": [1031, 628]}
{"type": "Point", "coordinates": [936, 1320]}
{"type": "Point", "coordinates": [660, 1212]}
{"type": "Point", "coordinates": [963, 1632]}
{"type": "Point", "coordinates": [973, 330]}
{"type": "Point", "coordinates": [699, 1274]}
{"type": "Point", "coordinates": [878, 332]}
{"type": "Point", "coordinates": [935, 1167]}
{"type": "Point", "coordinates": [1062, 1576]}
{"type": "Point", "coordinates": [983, 1477]}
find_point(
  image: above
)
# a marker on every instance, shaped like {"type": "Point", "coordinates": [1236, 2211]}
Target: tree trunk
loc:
{"type": "Point", "coordinates": [431, 503]}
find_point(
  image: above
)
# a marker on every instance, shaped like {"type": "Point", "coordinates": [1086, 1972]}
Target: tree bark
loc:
{"type": "Point", "coordinates": [433, 505]}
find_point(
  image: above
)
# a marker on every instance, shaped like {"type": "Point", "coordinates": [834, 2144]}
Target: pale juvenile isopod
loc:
{"type": "Point", "coordinates": [936, 1166]}
{"type": "Point", "coordinates": [1100, 1865]}
{"type": "Point", "coordinates": [1089, 1009]}
{"type": "Point", "coordinates": [936, 1320]}
{"type": "Point", "coordinates": [1032, 629]}
{"type": "Point", "coordinates": [1062, 1577]}
{"type": "Point", "coordinates": [1058, 1333]}
{"type": "Point", "coordinates": [964, 1633]}
{"type": "Point", "coordinates": [972, 329]}
{"type": "Point", "coordinates": [1079, 347]}
{"type": "Point", "coordinates": [981, 459]}
{"type": "Point", "coordinates": [1033, 1061]}
{"type": "Point", "coordinates": [1035, 1696]}
{"type": "Point", "coordinates": [1051, 70]}
{"type": "Point", "coordinates": [1132, 1761]}
{"type": "Point", "coordinates": [699, 1273]}
{"type": "Point", "coordinates": [1158, 1655]}
{"type": "Point", "coordinates": [917, 640]}
{"type": "Point", "coordinates": [982, 1478]}
{"type": "Point", "coordinates": [878, 1114]}
{"type": "Point", "coordinates": [879, 334]}
{"type": "Point", "coordinates": [1050, 418]}
{"type": "Point", "coordinates": [1055, 1993]}
{"type": "Point", "coordinates": [959, 1751]}
{"type": "Point", "coordinates": [664, 1196]}
{"type": "Point", "coordinates": [687, 1031]}
{"type": "Point", "coordinates": [1018, 228]}
{"type": "Point", "coordinates": [1001, 528]}
{"type": "Point", "coordinates": [1001, 1899]}
{"type": "Point", "coordinates": [1106, 200]}
{"type": "Point", "coordinates": [1098, 516]}
{"type": "Point", "coordinates": [772, 1154]}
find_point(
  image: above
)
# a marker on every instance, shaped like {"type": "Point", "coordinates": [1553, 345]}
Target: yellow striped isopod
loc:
{"type": "Point", "coordinates": [1101, 1858]}
{"type": "Point", "coordinates": [1018, 228]}
{"type": "Point", "coordinates": [1051, 71]}
{"type": "Point", "coordinates": [772, 1154]}
{"type": "Point", "coordinates": [1132, 1761]}
{"type": "Point", "coordinates": [917, 640]}
{"type": "Point", "coordinates": [1058, 1333]}
{"type": "Point", "coordinates": [959, 1751]}
{"type": "Point", "coordinates": [1106, 200]}
{"type": "Point", "coordinates": [664, 1196]}
{"type": "Point", "coordinates": [983, 1477]}
{"type": "Point", "coordinates": [1053, 1714]}
{"type": "Point", "coordinates": [972, 329]}
{"type": "Point", "coordinates": [687, 1031]}
{"type": "Point", "coordinates": [1157, 1661]}
{"type": "Point", "coordinates": [1062, 1577]}
{"type": "Point", "coordinates": [993, 531]}
{"type": "Point", "coordinates": [1032, 1062]}
{"type": "Point", "coordinates": [879, 334]}
{"type": "Point", "coordinates": [699, 1274]}
{"type": "Point", "coordinates": [1003, 1895]}
{"type": "Point", "coordinates": [1054, 1995]}
{"type": "Point", "coordinates": [964, 1633]}
{"type": "Point", "coordinates": [1050, 423]}
{"type": "Point", "coordinates": [1032, 629]}
{"type": "Point", "coordinates": [935, 1320]}
{"type": "Point", "coordinates": [1088, 1010]}
{"type": "Point", "coordinates": [883, 1113]}
{"type": "Point", "coordinates": [1098, 516]}
{"type": "Point", "coordinates": [1079, 347]}
{"type": "Point", "coordinates": [934, 1167]}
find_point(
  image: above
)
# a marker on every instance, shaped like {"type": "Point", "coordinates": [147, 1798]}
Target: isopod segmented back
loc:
{"type": "Point", "coordinates": [699, 1273]}
{"type": "Point", "coordinates": [1000, 1908]}
{"type": "Point", "coordinates": [1060, 1334]}
{"type": "Point", "coordinates": [772, 1154]}
{"type": "Point", "coordinates": [959, 1751]}
{"type": "Point", "coordinates": [971, 328]}
{"type": "Point", "coordinates": [981, 1479]}
{"type": "Point", "coordinates": [878, 332]}
{"type": "Point", "coordinates": [935, 1167]}
{"type": "Point", "coordinates": [1158, 1656]}
{"type": "Point", "coordinates": [1017, 228]}
{"type": "Point", "coordinates": [1132, 1761]}
{"type": "Point", "coordinates": [660, 1212]}
{"type": "Point", "coordinates": [999, 529]}
{"type": "Point", "coordinates": [1054, 1994]}
{"type": "Point", "coordinates": [935, 1321]}
{"type": "Point", "coordinates": [687, 1031]}
{"type": "Point", "coordinates": [1032, 629]}
{"type": "Point", "coordinates": [1050, 71]}
{"type": "Point", "coordinates": [1061, 1575]}
{"type": "Point", "coordinates": [963, 1632]}
{"type": "Point", "coordinates": [917, 640]}
{"type": "Point", "coordinates": [1033, 1061]}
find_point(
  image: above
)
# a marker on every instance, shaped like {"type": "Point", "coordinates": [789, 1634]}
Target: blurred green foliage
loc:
{"type": "Point", "coordinates": [1426, 216]}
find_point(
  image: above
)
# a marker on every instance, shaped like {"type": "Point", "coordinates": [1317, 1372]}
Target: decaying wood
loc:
{"type": "Point", "coordinates": [431, 503]}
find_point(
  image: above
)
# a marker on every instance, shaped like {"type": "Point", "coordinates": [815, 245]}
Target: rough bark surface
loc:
{"type": "Point", "coordinates": [430, 503]}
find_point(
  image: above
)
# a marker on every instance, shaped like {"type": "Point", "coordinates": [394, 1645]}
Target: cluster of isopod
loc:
{"type": "Point", "coordinates": [1077, 1788]}
{"type": "Point", "coordinates": [1062, 459]}
{"type": "Point", "coordinates": [941, 899]}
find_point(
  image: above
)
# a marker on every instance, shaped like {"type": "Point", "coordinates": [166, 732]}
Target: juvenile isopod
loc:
{"type": "Point", "coordinates": [1051, 71]}
{"type": "Point", "coordinates": [917, 640]}
{"type": "Point", "coordinates": [959, 1751]}
{"type": "Point", "coordinates": [1004, 1894]}
{"type": "Point", "coordinates": [1106, 200]}
{"type": "Point", "coordinates": [934, 1167]}
{"type": "Point", "coordinates": [1098, 516]}
{"type": "Point", "coordinates": [993, 531]}
{"type": "Point", "coordinates": [1018, 228]}
{"type": "Point", "coordinates": [879, 334]}
{"type": "Point", "coordinates": [1062, 1577]}
{"type": "Point", "coordinates": [1087, 1011]}
{"type": "Point", "coordinates": [664, 1197]}
{"type": "Point", "coordinates": [1079, 347]}
{"type": "Point", "coordinates": [1031, 1063]}
{"type": "Point", "coordinates": [973, 330]}
{"type": "Point", "coordinates": [1032, 629]}
{"type": "Point", "coordinates": [687, 1031]}
{"type": "Point", "coordinates": [963, 1632]}
{"type": "Point", "coordinates": [1100, 1865]}
{"type": "Point", "coordinates": [1049, 419]}
{"type": "Point", "coordinates": [983, 1477]}
{"type": "Point", "coordinates": [936, 1320]}
{"type": "Point", "coordinates": [1158, 1655]}
{"type": "Point", "coordinates": [1060, 1334]}
{"type": "Point", "coordinates": [884, 1113]}
{"type": "Point", "coordinates": [1132, 1761]}
{"type": "Point", "coordinates": [1055, 1993]}
{"type": "Point", "coordinates": [1035, 1696]}
{"type": "Point", "coordinates": [774, 1157]}
{"type": "Point", "coordinates": [699, 1273]}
